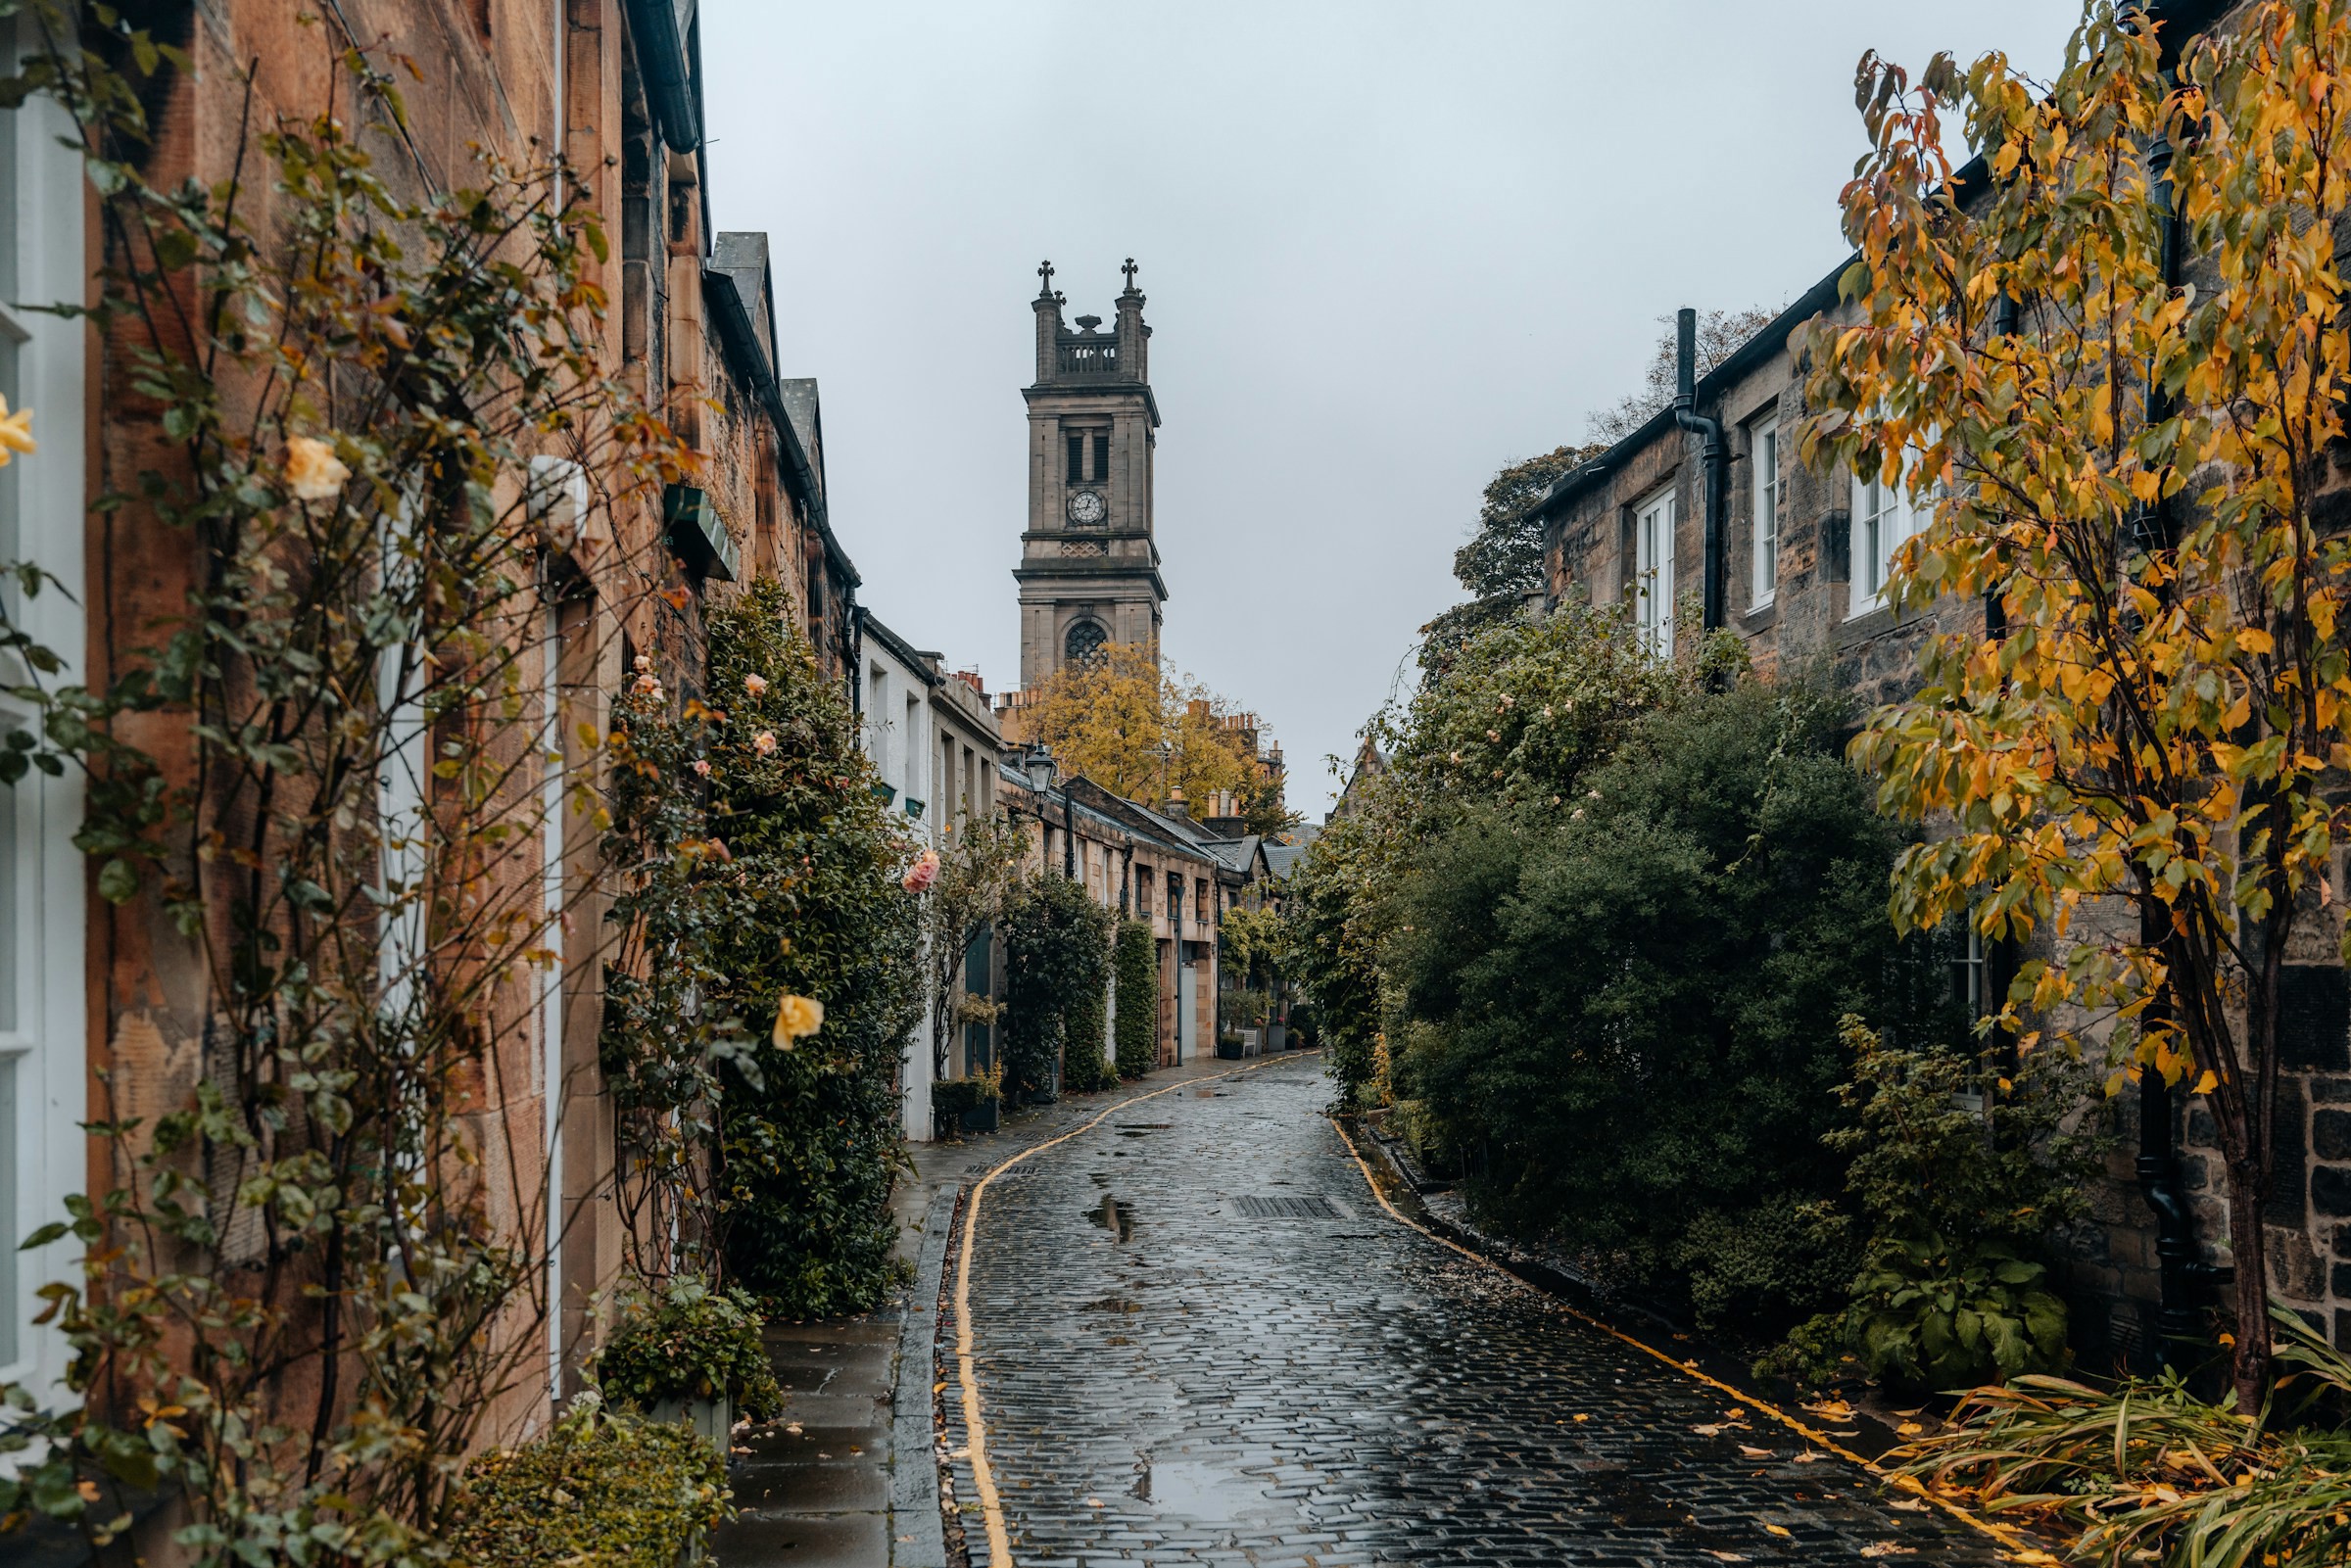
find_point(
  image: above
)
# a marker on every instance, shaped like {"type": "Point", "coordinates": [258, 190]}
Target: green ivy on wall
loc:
{"type": "Point", "coordinates": [1136, 971]}
{"type": "Point", "coordinates": [1056, 969]}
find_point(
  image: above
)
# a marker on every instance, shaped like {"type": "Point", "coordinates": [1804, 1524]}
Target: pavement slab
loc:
{"type": "Point", "coordinates": [1199, 1340]}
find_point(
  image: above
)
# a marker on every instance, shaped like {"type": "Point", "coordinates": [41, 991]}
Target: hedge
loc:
{"type": "Point", "coordinates": [1134, 966]}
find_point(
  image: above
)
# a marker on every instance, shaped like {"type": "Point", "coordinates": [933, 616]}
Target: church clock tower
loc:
{"type": "Point", "coordinates": [1089, 570]}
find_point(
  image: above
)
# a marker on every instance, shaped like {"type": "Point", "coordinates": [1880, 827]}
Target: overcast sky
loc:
{"type": "Point", "coordinates": [1388, 249]}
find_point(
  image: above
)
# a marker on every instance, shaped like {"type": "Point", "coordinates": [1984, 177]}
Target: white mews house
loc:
{"type": "Point", "coordinates": [933, 737]}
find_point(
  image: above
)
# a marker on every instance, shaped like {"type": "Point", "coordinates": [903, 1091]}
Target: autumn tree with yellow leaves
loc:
{"type": "Point", "coordinates": [2112, 356]}
{"type": "Point", "coordinates": [1142, 734]}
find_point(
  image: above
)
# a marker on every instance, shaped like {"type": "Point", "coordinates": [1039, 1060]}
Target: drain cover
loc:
{"type": "Point", "coordinates": [1284, 1206]}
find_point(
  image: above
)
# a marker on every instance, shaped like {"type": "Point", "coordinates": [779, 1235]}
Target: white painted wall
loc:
{"type": "Point", "coordinates": [43, 1024]}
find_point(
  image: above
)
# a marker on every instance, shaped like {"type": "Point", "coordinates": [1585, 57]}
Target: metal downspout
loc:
{"type": "Point", "coordinates": [2181, 1270]}
{"type": "Point", "coordinates": [1709, 430]}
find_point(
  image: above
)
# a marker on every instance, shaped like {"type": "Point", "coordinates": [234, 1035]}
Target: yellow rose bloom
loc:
{"type": "Point", "coordinates": [16, 432]}
{"type": "Point", "coordinates": [797, 1017]}
{"type": "Point", "coordinates": [313, 470]}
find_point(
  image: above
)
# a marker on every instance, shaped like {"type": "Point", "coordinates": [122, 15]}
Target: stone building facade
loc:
{"type": "Point", "coordinates": [97, 987]}
{"type": "Point", "coordinates": [1798, 559]}
{"type": "Point", "coordinates": [1089, 560]}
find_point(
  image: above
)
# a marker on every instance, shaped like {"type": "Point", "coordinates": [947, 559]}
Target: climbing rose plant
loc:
{"type": "Point", "coordinates": [297, 1301]}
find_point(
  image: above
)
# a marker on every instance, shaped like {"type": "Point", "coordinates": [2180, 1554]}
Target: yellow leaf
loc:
{"type": "Point", "coordinates": [1779, 1529]}
{"type": "Point", "coordinates": [2208, 1082]}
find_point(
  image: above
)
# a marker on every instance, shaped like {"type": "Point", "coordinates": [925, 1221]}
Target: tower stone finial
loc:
{"type": "Point", "coordinates": [1044, 269]}
{"type": "Point", "coordinates": [1130, 270]}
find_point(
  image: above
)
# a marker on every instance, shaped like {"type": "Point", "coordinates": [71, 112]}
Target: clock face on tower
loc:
{"type": "Point", "coordinates": [1086, 507]}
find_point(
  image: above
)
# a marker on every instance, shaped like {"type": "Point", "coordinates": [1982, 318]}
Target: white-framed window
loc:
{"type": "Point", "coordinates": [1763, 447]}
{"type": "Point", "coordinates": [1884, 517]}
{"type": "Point", "coordinates": [1652, 572]}
{"type": "Point", "coordinates": [43, 918]}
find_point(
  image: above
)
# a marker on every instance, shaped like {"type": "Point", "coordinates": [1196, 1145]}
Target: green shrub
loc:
{"type": "Point", "coordinates": [1511, 718]}
{"type": "Point", "coordinates": [1056, 959]}
{"type": "Point", "coordinates": [1085, 1034]}
{"type": "Point", "coordinates": [1135, 966]}
{"type": "Point", "coordinates": [602, 1489]}
{"type": "Point", "coordinates": [1245, 1008]}
{"type": "Point", "coordinates": [1775, 1263]}
{"type": "Point", "coordinates": [1934, 1314]}
{"type": "Point", "coordinates": [953, 1097]}
{"type": "Point", "coordinates": [1955, 1203]}
{"type": "Point", "coordinates": [812, 906]}
{"type": "Point", "coordinates": [690, 1342]}
{"type": "Point", "coordinates": [1630, 997]}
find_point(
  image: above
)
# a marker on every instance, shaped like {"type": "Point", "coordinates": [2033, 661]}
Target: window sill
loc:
{"type": "Point", "coordinates": [1874, 620]}
{"type": "Point", "coordinates": [1761, 617]}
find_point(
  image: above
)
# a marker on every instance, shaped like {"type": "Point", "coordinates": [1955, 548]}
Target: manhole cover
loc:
{"type": "Point", "coordinates": [1282, 1205]}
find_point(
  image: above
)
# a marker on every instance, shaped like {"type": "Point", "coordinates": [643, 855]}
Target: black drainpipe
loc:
{"type": "Point", "coordinates": [856, 661]}
{"type": "Point", "coordinates": [1686, 415]}
{"type": "Point", "coordinates": [2182, 1274]}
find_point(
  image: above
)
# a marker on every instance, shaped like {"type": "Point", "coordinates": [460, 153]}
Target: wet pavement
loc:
{"type": "Point", "coordinates": [1199, 1340]}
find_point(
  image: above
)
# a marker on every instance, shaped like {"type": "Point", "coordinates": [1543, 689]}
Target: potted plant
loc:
{"type": "Point", "coordinates": [690, 1354]}
{"type": "Point", "coordinates": [968, 1105]}
{"type": "Point", "coordinates": [600, 1486]}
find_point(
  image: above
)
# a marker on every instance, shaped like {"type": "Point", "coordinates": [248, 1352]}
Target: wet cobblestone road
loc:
{"type": "Point", "coordinates": [1199, 1340]}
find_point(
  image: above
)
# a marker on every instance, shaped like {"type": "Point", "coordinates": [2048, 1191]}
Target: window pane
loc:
{"type": "Point", "coordinates": [1076, 459]}
{"type": "Point", "coordinates": [9, 1188]}
{"type": "Point", "coordinates": [11, 903]}
{"type": "Point", "coordinates": [1102, 457]}
{"type": "Point", "coordinates": [8, 172]}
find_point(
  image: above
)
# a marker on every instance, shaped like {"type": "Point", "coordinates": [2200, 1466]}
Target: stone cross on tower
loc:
{"type": "Point", "coordinates": [1090, 565]}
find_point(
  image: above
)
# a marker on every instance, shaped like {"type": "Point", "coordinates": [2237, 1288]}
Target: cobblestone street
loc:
{"type": "Point", "coordinates": [1200, 1340]}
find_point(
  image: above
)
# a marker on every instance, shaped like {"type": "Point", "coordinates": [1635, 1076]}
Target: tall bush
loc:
{"type": "Point", "coordinates": [1085, 1036]}
{"type": "Point", "coordinates": [1512, 716]}
{"type": "Point", "coordinates": [807, 864]}
{"type": "Point", "coordinates": [1136, 969]}
{"type": "Point", "coordinates": [1056, 960]}
{"type": "Point", "coordinates": [1624, 1006]}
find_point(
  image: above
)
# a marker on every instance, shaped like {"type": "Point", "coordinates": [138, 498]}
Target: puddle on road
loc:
{"type": "Point", "coordinates": [1200, 1491]}
{"type": "Point", "coordinates": [1114, 1214]}
{"type": "Point", "coordinates": [1136, 1129]}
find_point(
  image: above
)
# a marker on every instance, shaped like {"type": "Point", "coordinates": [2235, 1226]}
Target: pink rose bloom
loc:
{"type": "Point", "coordinates": [922, 872]}
{"type": "Point", "coordinates": [754, 684]}
{"type": "Point", "coordinates": [764, 742]}
{"type": "Point", "coordinates": [648, 687]}
{"type": "Point", "coordinates": [701, 766]}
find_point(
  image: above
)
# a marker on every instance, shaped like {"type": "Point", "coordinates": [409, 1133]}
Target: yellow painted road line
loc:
{"type": "Point", "coordinates": [991, 1505]}
{"type": "Point", "coordinates": [2007, 1535]}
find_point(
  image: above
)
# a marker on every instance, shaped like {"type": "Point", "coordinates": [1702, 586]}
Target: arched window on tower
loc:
{"type": "Point", "coordinates": [1085, 640]}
